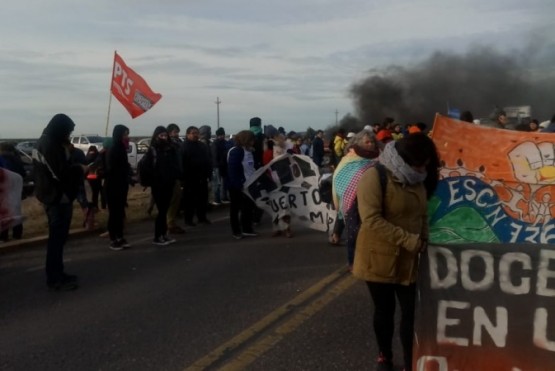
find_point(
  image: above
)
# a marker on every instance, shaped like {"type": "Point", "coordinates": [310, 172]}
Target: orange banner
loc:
{"type": "Point", "coordinates": [131, 89]}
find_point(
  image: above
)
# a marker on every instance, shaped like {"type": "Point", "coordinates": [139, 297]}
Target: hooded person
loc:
{"type": "Point", "coordinates": [56, 184]}
{"type": "Point", "coordinates": [255, 124]}
{"type": "Point", "coordinates": [117, 180]}
{"type": "Point", "coordinates": [165, 173]}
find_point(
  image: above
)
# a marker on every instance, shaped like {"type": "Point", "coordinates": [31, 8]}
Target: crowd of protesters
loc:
{"type": "Point", "coordinates": [382, 177]}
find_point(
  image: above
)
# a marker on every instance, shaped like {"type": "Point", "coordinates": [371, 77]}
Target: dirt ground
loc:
{"type": "Point", "coordinates": [35, 223]}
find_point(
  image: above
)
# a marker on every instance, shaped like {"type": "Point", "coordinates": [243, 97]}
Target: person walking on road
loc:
{"type": "Point", "coordinates": [392, 234]}
{"type": "Point", "coordinates": [165, 175]}
{"type": "Point", "coordinates": [175, 202]}
{"type": "Point", "coordinates": [118, 175]}
{"type": "Point", "coordinates": [197, 170]}
{"type": "Point", "coordinates": [56, 185]}
{"type": "Point", "coordinates": [219, 150]}
{"type": "Point", "coordinates": [240, 167]}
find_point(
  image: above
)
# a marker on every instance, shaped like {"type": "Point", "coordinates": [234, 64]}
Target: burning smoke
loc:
{"type": "Point", "coordinates": [478, 81]}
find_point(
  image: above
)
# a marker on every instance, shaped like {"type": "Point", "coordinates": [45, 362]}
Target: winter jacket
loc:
{"type": "Point", "coordinates": [56, 178]}
{"type": "Point", "coordinates": [166, 170]}
{"type": "Point", "coordinates": [219, 149]}
{"type": "Point", "coordinates": [118, 170]}
{"type": "Point", "coordinates": [195, 161]}
{"type": "Point", "coordinates": [388, 240]}
{"type": "Point", "coordinates": [318, 151]}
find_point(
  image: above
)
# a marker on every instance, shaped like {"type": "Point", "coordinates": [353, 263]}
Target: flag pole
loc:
{"type": "Point", "coordinates": [110, 92]}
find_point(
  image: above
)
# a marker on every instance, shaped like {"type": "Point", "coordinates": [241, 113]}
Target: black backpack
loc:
{"type": "Point", "coordinates": [145, 168]}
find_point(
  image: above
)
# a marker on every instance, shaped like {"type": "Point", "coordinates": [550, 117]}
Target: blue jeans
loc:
{"type": "Point", "coordinates": [217, 186]}
{"type": "Point", "coordinates": [59, 220]}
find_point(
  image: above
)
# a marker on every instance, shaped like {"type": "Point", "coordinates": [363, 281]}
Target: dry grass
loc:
{"type": "Point", "coordinates": [36, 224]}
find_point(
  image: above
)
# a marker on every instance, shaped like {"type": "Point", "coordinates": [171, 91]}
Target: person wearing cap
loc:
{"type": "Point", "coordinates": [255, 125]}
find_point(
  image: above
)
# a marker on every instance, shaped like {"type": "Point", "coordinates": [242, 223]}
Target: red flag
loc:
{"type": "Point", "coordinates": [131, 89]}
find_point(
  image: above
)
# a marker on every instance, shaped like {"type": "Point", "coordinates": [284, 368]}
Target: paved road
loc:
{"type": "Point", "coordinates": [206, 302]}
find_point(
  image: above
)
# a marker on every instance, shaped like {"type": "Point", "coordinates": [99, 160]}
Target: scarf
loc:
{"type": "Point", "coordinates": [400, 169]}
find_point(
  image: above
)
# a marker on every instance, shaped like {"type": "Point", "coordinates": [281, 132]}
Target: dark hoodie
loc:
{"type": "Point", "coordinates": [166, 168]}
{"type": "Point", "coordinates": [118, 170]}
{"type": "Point", "coordinates": [56, 178]}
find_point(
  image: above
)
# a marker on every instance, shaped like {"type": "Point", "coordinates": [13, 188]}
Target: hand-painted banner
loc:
{"type": "Point", "coordinates": [496, 185]}
{"type": "Point", "coordinates": [289, 186]}
{"type": "Point", "coordinates": [131, 89]}
{"type": "Point", "coordinates": [486, 307]}
{"type": "Point", "coordinates": [11, 186]}
{"type": "Point", "coordinates": [487, 284]}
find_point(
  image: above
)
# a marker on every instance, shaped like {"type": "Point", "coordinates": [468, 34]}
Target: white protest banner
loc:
{"type": "Point", "coordinates": [11, 186]}
{"type": "Point", "coordinates": [289, 186]}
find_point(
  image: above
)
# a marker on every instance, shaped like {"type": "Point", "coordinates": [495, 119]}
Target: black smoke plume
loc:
{"type": "Point", "coordinates": [480, 81]}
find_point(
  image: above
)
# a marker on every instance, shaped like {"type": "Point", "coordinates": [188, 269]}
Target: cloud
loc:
{"type": "Point", "coordinates": [292, 61]}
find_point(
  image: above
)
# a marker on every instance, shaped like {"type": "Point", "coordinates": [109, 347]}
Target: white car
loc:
{"type": "Point", "coordinates": [84, 141]}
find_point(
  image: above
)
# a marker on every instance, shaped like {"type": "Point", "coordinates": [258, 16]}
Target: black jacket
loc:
{"type": "Point", "coordinates": [196, 163]}
{"type": "Point", "coordinates": [166, 169]}
{"type": "Point", "coordinates": [56, 177]}
{"type": "Point", "coordinates": [118, 170]}
{"type": "Point", "coordinates": [318, 151]}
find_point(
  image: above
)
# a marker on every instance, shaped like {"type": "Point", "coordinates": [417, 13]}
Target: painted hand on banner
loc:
{"type": "Point", "coordinates": [534, 163]}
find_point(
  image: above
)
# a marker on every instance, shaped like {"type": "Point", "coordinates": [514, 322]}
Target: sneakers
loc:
{"type": "Point", "coordinates": [225, 202]}
{"type": "Point", "coordinates": [250, 234]}
{"type": "Point", "coordinates": [176, 229]}
{"type": "Point", "coordinates": [160, 241]}
{"type": "Point", "coordinates": [237, 236]}
{"type": "Point", "coordinates": [116, 245]}
{"type": "Point", "coordinates": [63, 286]}
{"type": "Point", "coordinates": [384, 364]}
{"type": "Point", "coordinates": [124, 243]}
{"type": "Point", "coordinates": [216, 203]}
{"type": "Point", "coordinates": [69, 277]}
{"type": "Point", "coordinates": [168, 239]}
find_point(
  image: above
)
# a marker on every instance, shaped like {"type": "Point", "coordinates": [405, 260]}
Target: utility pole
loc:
{"type": "Point", "coordinates": [218, 101]}
{"type": "Point", "coordinates": [336, 116]}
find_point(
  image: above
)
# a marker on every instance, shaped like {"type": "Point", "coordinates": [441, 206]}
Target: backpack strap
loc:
{"type": "Point", "coordinates": [383, 182]}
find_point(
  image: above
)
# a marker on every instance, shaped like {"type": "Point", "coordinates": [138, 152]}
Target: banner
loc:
{"type": "Point", "coordinates": [486, 307]}
{"type": "Point", "coordinates": [487, 283]}
{"type": "Point", "coordinates": [289, 186]}
{"type": "Point", "coordinates": [131, 89]}
{"type": "Point", "coordinates": [11, 187]}
{"type": "Point", "coordinates": [496, 185]}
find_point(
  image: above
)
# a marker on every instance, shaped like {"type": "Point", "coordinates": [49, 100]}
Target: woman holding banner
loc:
{"type": "Point", "coordinates": [240, 166]}
{"type": "Point", "coordinates": [392, 234]}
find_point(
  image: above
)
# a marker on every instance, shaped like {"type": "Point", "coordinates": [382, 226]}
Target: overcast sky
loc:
{"type": "Point", "coordinates": [290, 62]}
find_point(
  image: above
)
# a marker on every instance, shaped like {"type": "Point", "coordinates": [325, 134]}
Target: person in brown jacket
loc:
{"type": "Point", "coordinates": [392, 234]}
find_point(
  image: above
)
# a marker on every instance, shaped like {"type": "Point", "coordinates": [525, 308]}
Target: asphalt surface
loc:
{"type": "Point", "coordinates": [205, 302]}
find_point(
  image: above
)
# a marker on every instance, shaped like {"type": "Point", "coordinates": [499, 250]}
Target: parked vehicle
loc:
{"type": "Point", "coordinates": [143, 144]}
{"type": "Point", "coordinates": [84, 141]}
{"type": "Point", "coordinates": [27, 146]}
{"type": "Point", "coordinates": [28, 179]}
{"type": "Point", "coordinates": [134, 155]}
